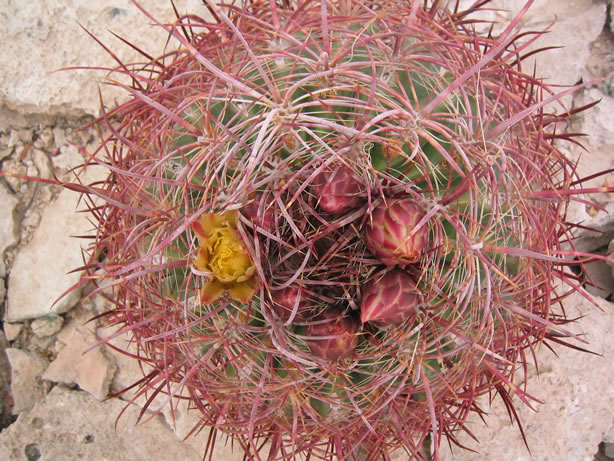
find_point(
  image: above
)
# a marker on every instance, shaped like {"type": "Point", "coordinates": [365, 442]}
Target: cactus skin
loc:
{"type": "Point", "coordinates": [389, 299]}
{"type": "Point", "coordinates": [434, 122]}
{"type": "Point", "coordinates": [393, 234]}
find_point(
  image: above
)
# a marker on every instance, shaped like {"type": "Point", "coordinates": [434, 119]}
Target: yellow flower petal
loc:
{"type": "Point", "coordinates": [231, 217]}
{"type": "Point", "coordinates": [202, 261]}
{"type": "Point", "coordinates": [211, 291]}
{"type": "Point", "coordinates": [199, 229]}
{"type": "Point", "coordinates": [214, 220]}
{"type": "Point", "coordinates": [223, 254]}
{"type": "Point", "coordinates": [243, 291]}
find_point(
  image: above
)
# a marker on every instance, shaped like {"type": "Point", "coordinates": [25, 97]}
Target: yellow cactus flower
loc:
{"type": "Point", "coordinates": [224, 256]}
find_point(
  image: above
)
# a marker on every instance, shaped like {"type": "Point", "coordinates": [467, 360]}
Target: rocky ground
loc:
{"type": "Point", "coordinates": [52, 392]}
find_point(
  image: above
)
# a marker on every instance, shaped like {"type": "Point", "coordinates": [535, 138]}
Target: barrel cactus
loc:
{"type": "Point", "coordinates": [333, 225]}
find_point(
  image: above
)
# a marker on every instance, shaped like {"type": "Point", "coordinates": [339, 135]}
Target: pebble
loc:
{"type": "Point", "coordinates": [47, 326]}
{"type": "Point", "coordinates": [8, 235]}
{"type": "Point", "coordinates": [77, 364]}
{"type": "Point", "coordinates": [69, 424]}
{"type": "Point", "coordinates": [26, 369]}
{"type": "Point", "coordinates": [12, 330]}
{"type": "Point", "coordinates": [41, 272]}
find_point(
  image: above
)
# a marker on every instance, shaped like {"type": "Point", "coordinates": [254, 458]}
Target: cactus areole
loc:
{"type": "Point", "coordinates": [333, 225]}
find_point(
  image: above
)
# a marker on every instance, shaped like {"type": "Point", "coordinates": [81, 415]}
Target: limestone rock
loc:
{"type": "Point", "coordinates": [8, 236]}
{"type": "Point", "coordinates": [45, 139]}
{"type": "Point", "coordinates": [572, 27]}
{"type": "Point", "coordinates": [598, 156]}
{"type": "Point", "coordinates": [611, 264]}
{"type": "Point", "coordinates": [47, 326]}
{"type": "Point", "coordinates": [20, 136]}
{"type": "Point", "coordinates": [578, 394]}
{"type": "Point", "coordinates": [180, 418]}
{"type": "Point", "coordinates": [598, 228]}
{"type": "Point", "coordinates": [128, 369]}
{"type": "Point", "coordinates": [600, 275]}
{"type": "Point", "coordinates": [13, 166]}
{"type": "Point", "coordinates": [6, 400]}
{"type": "Point", "coordinates": [68, 157]}
{"type": "Point", "coordinates": [574, 35]}
{"type": "Point", "coordinates": [26, 369]}
{"type": "Point", "coordinates": [608, 437]}
{"type": "Point", "coordinates": [72, 425]}
{"type": "Point", "coordinates": [12, 330]}
{"type": "Point", "coordinates": [541, 12]}
{"type": "Point", "coordinates": [599, 152]}
{"type": "Point", "coordinates": [42, 163]}
{"type": "Point", "coordinates": [90, 370]}
{"type": "Point", "coordinates": [40, 273]}
{"type": "Point", "coordinates": [40, 38]}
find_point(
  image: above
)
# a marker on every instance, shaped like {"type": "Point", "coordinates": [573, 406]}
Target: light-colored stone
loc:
{"type": "Point", "coordinates": [5, 152]}
{"type": "Point", "coordinates": [598, 154]}
{"type": "Point", "coordinates": [611, 264]}
{"type": "Point", "coordinates": [31, 29]}
{"type": "Point", "coordinates": [128, 369]}
{"type": "Point", "coordinates": [41, 270]}
{"type": "Point", "coordinates": [95, 373]}
{"type": "Point", "coordinates": [20, 136]}
{"type": "Point", "coordinates": [29, 223]}
{"type": "Point", "coordinates": [574, 35]}
{"type": "Point", "coordinates": [76, 364]}
{"type": "Point", "coordinates": [598, 229]}
{"type": "Point", "coordinates": [545, 12]}
{"type": "Point", "coordinates": [180, 418]}
{"type": "Point", "coordinates": [599, 124]}
{"type": "Point", "coordinates": [67, 158]}
{"type": "Point", "coordinates": [571, 27]}
{"type": "Point", "coordinates": [578, 394]}
{"type": "Point", "coordinates": [608, 437]}
{"type": "Point", "coordinates": [8, 236]}
{"type": "Point", "coordinates": [26, 369]}
{"type": "Point", "coordinates": [2, 291]}
{"type": "Point", "coordinates": [59, 136]}
{"type": "Point", "coordinates": [600, 275]}
{"type": "Point", "coordinates": [71, 425]}
{"type": "Point", "coordinates": [47, 326]}
{"type": "Point", "coordinates": [12, 330]}
{"type": "Point", "coordinates": [45, 139]}
{"type": "Point", "coordinates": [13, 166]}
{"type": "Point", "coordinates": [42, 163]}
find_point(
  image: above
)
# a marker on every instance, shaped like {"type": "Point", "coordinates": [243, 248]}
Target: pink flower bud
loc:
{"type": "Point", "coordinates": [260, 213]}
{"type": "Point", "coordinates": [392, 235]}
{"type": "Point", "coordinates": [285, 300]}
{"type": "Point", "coordinates": [333, 336]}
{"type": "Point", "coordinates": [337, 190]}
{"type": "Point", "coordinates": [389, 299]}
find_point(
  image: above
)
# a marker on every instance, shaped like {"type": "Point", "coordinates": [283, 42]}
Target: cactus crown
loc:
{"type": "Point", "coordinates": [289, 160]}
